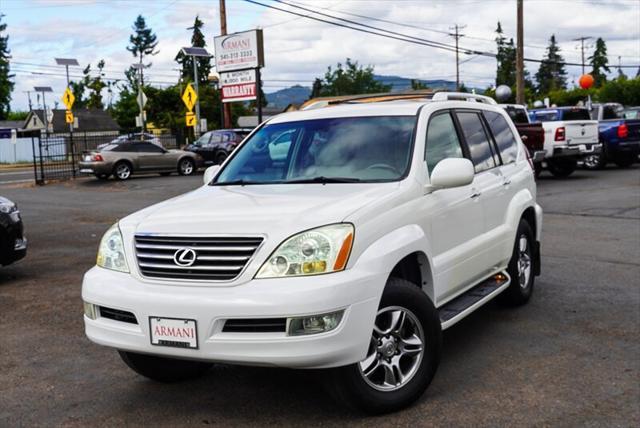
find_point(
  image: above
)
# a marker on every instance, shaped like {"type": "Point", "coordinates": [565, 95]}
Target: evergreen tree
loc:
{"type": "Point", "coordinates": [6, 84]}
{"type": "Point", "coordinates": [351, 79]}
{"type": "Point", "coordinates": [506, 59]}
{"type": "Point", "coordinates": [599, 63]}
{"type": "Point", "coordinates": [316, 89]}
{"type": "Point", "coordinates": [143, 42]}
{"type": "Point", "coordinates": [551, 75]}
{"type": "Point", "coordinates": [417, 85]}
{"type": "Point", "coordinates": [186, 61]}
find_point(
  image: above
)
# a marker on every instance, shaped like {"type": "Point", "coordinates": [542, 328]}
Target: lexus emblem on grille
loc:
{"type": "Point", "coordinates": [184, 257]}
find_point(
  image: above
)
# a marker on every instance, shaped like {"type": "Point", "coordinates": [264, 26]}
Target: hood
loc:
{"type": "Point", "coordinates": [261, 209]}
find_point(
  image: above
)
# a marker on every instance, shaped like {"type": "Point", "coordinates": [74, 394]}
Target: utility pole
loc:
{"type": "Point", "coordinates": [457, 36]}
{"type": "Point", "coordinates": [226, 120]}
{"type": "Point", "coordinates": [29, 98]}
{"type": "Point", "coordinates": [520, 55]}
{"type": "Point", "coordinates": [581, 40]}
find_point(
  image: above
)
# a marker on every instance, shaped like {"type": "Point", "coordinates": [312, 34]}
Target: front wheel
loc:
{"type": "Point", "coordinates": [561, 168]}
{"type": "Point", "coordinates": [403, 353]}
{"type": "Point", "coordinates": [624, 162]}
{"type": "Point", "coordinates": [186, 166]}
{"type": "Point", "coordinates": [163, 369]}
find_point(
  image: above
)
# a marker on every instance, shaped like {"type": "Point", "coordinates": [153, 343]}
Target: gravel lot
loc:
{"type": "Point", "coordinates": [571, 357]}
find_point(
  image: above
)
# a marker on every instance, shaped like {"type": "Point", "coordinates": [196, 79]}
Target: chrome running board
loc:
{"type": "Point", "coordinates": [469, 301]}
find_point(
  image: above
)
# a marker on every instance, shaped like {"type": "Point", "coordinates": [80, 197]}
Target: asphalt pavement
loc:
{"type": "Point", "coordinates": [571, 357]}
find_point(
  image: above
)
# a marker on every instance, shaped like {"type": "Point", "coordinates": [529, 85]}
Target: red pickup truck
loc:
{"type": "Point", "coordinates": [532, 134]}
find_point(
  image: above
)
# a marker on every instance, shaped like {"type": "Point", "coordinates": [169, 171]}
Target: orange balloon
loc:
{"type": "Point", "coordinates": [586, 81]}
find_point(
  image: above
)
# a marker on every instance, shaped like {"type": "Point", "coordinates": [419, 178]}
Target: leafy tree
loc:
{"type": "Point", "coordinates": [351, 79]}
{"type": "Point", "coordinates": [551, 75]}
{"type": "Point", "coordinates": [126, 109]}
{"type": "Point", "coordinates": [17, 115]}
{"type": "Point", "coordinates": [599, 63]}
{"type": "Point", "coordinates": [463, 88]}
{"type": "Point", "coordinates": [186, 61]}
{"type": "Point", "coordinates": [143, 42]}
{"type": "Point", "coordinates": [6, 84]}
{"type": "Point", "coordinates": [95, 86]}
{"type": "Point", "coordinates": [624, 91]}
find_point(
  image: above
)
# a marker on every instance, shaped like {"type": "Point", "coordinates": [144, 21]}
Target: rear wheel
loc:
{"type": "Point", "coordinates": [403, 353]}
{"type": "Point", "coordinates": [122, 170]}
{"type": "Point", "coordinates": [562, 168]}
{"type": "Point", "coordinates": [186, 166]}
{"type": "Point", "coordinates": [163, 369]}
{"type": "Point", "coordinates": [521, 267]}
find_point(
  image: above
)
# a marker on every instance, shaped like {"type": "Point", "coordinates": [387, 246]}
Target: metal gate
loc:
{"type": "Point", "coordinates": [54, 157]}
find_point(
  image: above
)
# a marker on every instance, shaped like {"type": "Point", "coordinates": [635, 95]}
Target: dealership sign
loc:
{"type": "Point", "coordinates": [239, 51]}
{"type": "Point", "coordinates": [238, 85]}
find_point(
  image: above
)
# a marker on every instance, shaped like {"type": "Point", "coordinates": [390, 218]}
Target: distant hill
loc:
{"type": "Point", "coordinates": [298, 94]}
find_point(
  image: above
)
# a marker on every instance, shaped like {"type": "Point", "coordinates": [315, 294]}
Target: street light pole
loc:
{"type": "Point", "coordinates": [195, 80]}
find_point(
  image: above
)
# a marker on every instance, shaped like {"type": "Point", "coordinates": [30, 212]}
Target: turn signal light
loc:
{"type": "Point", "coordinates": [623, 131]}
{"type": "Point", "coordinates": [560, 134]}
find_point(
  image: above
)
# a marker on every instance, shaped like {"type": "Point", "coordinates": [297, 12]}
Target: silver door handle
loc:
{"type": "Point", "coordinates": [475, 194]}
{"type": "Point", "coordinates": [506, 182]}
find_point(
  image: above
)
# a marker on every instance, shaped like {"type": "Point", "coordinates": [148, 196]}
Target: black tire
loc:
{"type": "Point", "coordinates": [537, 169]}
{"type": "Point", "coordinates": [163, 369]}
{"type": "Point", "coordinates": [220, 158]}
{"type": "Point", "coordinates": [103, 176]}
{"type": "Point", "coordinates": [119, 170]}
{"type": "Point", "coordinates": [348, 383]}
{"type": "Point", "coordinates": [521, 288]}
{"type": "Point", "coordinates": [624, 162]}
{"type": "Point", "coordinates": [561, 168]}
{"type": "Point", "coordinates": [165, 174]}
{"type": "Point", "coordinates": [186, 166]}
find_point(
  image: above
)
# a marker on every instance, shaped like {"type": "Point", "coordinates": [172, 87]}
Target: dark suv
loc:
{"type": "Point", "coordinates": [215, 146]}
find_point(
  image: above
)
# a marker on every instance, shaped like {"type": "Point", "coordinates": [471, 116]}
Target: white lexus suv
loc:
{"type": "Point", "coordinates": [344, 238]}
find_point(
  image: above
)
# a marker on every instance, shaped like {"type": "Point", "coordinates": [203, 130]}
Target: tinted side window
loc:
{"type": "Point", "coordinates": [518, 115]}
{"type": "Point", "coordinates": [442, 140]}
{"type": "Point", "coordinates": [481, 154]}
{"type": "Point", "coordinates": [505, 139]}
{"type": "Point", "coordinates": [147, 148]}
{"type": "Point", "coordinates": [612, 112]}
{"type": "Point", "coordinates": [216, 137]}
{"type": "Point", "coordinates": [125, 147]}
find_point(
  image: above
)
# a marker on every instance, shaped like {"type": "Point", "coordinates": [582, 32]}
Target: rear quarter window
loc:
{"type": "Point", "coordinates": [505, 140]}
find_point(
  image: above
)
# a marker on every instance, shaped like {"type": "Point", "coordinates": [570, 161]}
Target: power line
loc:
{"type": "Point", "coordinates": [400, 36]}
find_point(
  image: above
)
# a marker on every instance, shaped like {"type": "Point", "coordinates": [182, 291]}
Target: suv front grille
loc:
{"type": "Point", "coordinates": [198, 258]}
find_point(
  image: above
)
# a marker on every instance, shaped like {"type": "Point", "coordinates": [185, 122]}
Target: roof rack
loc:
{"type": "Point", "coordinates": [462, 96]}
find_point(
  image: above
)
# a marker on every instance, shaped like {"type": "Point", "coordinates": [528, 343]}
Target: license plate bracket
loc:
{"type": "Point", "coordinates": [173, 332]}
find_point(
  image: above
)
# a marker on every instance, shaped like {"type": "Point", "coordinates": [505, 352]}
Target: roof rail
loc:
{"type": "Point", "coordinates": [462, 96]}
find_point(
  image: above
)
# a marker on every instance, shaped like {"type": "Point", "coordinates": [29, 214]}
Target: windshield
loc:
{"type": "Point", "coordinates": [202, 140]}
{"type": "Point", "coordinates": [350, 149]}
{"type": "Point", "coordinates": [546, 116]}
{"type": "Point", "coordinates": [632, 114]}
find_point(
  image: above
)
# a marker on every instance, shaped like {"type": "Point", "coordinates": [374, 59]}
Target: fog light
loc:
{"type": "Point", "coordinates": [314, 323]}
{"type": "Point", "coordinates": [314, 267]}
{"type": "Point", "coordinates": [90, 310]}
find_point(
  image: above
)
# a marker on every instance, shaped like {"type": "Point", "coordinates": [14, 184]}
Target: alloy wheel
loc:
{"type": "Point", "coordinates": [395, 351]}
{"type": "Point", "coordinates": [524, 261]}
{"type": "Point", "coordinates": [123, 171]}
{"type": "Point", "coordinates": [186, 167]}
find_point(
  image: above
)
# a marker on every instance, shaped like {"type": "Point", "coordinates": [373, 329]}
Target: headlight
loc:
{"type": "Point", "coordinates": [316, 251]}
{"type": "Point", "coordinates": [8, 207]}
{"type": "Point", "coordinates": [111, 251]}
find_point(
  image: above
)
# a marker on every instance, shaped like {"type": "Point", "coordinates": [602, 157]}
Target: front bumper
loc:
{"type": "Point", "coordinates": [350, 290]}
{"type": "Point", "coordinates": [14, 246]}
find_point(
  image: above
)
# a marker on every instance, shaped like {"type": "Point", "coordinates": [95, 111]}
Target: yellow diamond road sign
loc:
{"type": "Point", "coordinates": [189, 97]}
{"type": "Point", "coordinates": [191, 119]}
{"type": "Point", "coordinates": [68, 99]}
{"type": "Point", "coordinates": [68, 116]}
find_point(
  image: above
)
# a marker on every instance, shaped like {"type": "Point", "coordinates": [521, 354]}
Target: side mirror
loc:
{"type": "Point", "coordinates": [451, 172]}
{"type": "Point", "coordinates": [210, 173]}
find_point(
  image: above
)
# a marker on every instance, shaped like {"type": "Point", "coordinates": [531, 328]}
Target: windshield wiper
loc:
{"type": "Point", "coordinates": [239, 182]}
{"type": "Point", "coordinates": [325, 180]}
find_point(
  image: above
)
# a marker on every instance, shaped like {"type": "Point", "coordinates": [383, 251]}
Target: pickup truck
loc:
{"type": "Point", "coordinates": [569, 136]}
{"type": "Point", "coordinates": [619, 135]}
{"type": "Point", "coordinates": [531, 134]}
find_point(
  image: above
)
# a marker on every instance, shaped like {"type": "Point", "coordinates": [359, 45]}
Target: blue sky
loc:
{"type": "Point", "coordinates": [298, 49]}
